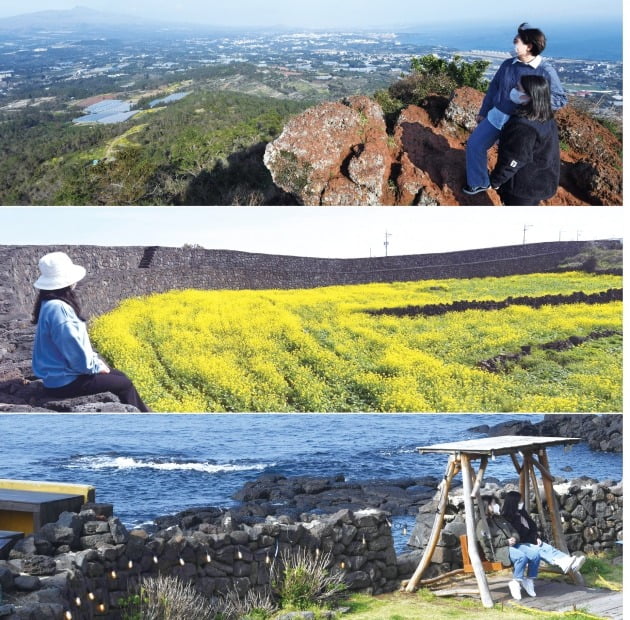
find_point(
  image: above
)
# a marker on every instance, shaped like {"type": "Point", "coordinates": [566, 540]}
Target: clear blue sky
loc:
{"type": "Point", "coordinates": [335, 14]}
{"type": "Point", "coordinates": [333, 232]}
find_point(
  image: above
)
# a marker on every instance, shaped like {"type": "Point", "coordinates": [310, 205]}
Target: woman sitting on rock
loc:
{"type": "Point", "coordinates": [501, 543]}
{"type": "Point", "coordinates": [528, 167]}
{"type": "Point", "coordinates": [62, 353]}
{"type": "Point", "coordinates": [514, 511]}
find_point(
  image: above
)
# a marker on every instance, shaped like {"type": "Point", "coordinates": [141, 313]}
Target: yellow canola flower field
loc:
{"type": "Point", "coordinates": [320, 350]}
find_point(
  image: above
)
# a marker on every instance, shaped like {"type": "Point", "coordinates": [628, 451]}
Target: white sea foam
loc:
{"type": "Point", "coordinates": [129, 462]}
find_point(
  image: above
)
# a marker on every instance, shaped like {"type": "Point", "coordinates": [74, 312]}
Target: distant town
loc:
{"type": "Point", "coordinates": [36, 70]}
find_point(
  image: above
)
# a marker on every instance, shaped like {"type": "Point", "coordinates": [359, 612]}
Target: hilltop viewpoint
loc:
{"type": "Point", "coordinates": [351, 152]}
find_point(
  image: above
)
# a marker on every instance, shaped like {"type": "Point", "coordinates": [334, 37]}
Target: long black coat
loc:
{"type": "Point", "coordinates": [528, 533]}
{"type": "Point", "coordinates": [528, 167]}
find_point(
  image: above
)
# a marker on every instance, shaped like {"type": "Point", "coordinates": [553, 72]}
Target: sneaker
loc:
{"type": "Point", "coordinates": [528, 586]}
{"type": "Point", "coordinates": [471, 191]}
{"type": "Point", "coordinates": [515, 589]}
{"type": "Point", "coordinates": [566, 563]}
{"type": "Point", "coordinates": [578, 562]}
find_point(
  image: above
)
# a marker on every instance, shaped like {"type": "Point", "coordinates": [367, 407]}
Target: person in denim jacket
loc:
{"type": "Point", "coordinates": [62, 353]}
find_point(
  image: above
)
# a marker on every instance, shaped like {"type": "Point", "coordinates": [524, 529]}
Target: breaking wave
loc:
{"type": "Point", "coordinates": [100, 462]}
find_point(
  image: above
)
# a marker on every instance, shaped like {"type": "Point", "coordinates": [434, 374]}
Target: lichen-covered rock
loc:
{"type": "Point", "coordinates": [39, 565]}
{"type": "Point", "coordinates": [333, 153]}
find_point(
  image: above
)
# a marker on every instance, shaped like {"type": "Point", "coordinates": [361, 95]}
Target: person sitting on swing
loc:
{"type": "Point", "coordinates": [514, 511]}
{"type": "Point", "coordinates": [501, 543]}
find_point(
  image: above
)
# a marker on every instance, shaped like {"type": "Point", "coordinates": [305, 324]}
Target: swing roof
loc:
{"type": "Point", "coordinates": [497, 446]}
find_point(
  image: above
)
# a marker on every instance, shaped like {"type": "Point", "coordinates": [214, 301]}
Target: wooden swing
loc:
{"type": "Point", "coordinates": [533, 452]}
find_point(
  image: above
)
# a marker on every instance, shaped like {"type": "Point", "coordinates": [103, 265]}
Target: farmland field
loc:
{"type": "Point", "coordinates": [325, 349]}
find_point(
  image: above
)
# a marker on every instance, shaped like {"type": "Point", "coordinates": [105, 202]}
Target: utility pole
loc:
{"type": "Point", "coordinates": [560, 234]}
{"type": "Point", "coordinates": [577, 235]}
{"type": "Point", "coordinates": [526, 227]}
{"type": "Point", "coordinates": [386, 243]}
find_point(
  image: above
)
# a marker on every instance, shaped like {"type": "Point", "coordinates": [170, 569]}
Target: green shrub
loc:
{"type": "Point", "coordinates": [461, 72]}
{"type": "Point", "coordinates": [166, 598]}
{"type": "Point", "coordinates": [252, 605]}
{"type": "Point", "coordinates": [431, 75]}
{"type": "Point", "coordinates": [302, 580]}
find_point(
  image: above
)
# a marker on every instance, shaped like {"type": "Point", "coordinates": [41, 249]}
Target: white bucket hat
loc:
{"type": "Point", "coordinates": [58, 271]}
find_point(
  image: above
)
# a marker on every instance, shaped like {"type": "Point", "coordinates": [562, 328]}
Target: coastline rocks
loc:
{"type": "Point", "coordinates": [273, 494]}
{"type": "Point", "coordinates": [218, 552]}
{"type": "Point", "coordinates": [602, 432]}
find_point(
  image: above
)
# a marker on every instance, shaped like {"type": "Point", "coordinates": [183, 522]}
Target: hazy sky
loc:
{"type": "Point", "coordinates": [333, 13]}
{"type": "Point", "coordinates": [333, 232]}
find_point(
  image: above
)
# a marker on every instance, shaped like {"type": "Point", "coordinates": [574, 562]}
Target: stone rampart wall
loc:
{"type": "Point", "coordinates": [115, 273]}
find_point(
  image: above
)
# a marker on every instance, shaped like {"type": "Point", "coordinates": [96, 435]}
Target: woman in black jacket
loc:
{"type": "Point", "coordinates": [528, 168]}
{"type": "Point", "coordinates": [515, 513]}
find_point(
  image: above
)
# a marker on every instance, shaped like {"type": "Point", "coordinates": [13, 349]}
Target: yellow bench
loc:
{"type": "Point", "coordinates": [25, 505]}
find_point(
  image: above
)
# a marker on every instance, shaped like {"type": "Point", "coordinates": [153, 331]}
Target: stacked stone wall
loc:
{"type": "Point", "coordinates": [88, 563]}
{"type": "Point", "coordinates": [114, 273]}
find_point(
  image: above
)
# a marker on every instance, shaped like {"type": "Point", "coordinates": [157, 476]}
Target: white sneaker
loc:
{"type": "Point", "coordinates": [565, 563]}
{"type": "Point", "coordinates": [515, 589]}
{"type": "Point", "coordinates": [528, 586]}
{"type": "Point", "coordinates": [578, 562]}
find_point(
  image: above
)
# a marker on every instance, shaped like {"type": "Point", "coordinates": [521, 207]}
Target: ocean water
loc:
{"type": "Point", "coordinates": [599, 41]}
{"type": "Point", "coordinates": [153, 465]}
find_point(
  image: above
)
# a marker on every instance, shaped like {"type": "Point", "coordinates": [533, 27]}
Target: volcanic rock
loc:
{"type": "Point", "coordinates": [341, 154]}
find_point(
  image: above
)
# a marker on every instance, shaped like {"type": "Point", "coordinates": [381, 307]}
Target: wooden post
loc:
{"type": "Point", "coordinates": [451, 468]}
{"type": "Point", "coordinates": [475, 560]}
{"type": "Point", "coordinates": [480, 475]}
{"type": "Point", "coordinates": [524, 481]}
{"type": "Point", "coordinates": [539, 502]}
{"type": "Point", "coordinates": [554, 512]}
{"type": "Point", "coordinates": [476, 492]}
{"type": "Point", "coordinates": [543, 470]}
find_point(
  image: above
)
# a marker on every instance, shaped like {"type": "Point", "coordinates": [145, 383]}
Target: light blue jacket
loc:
{"type": "Point", "coordinates": [62, 349]}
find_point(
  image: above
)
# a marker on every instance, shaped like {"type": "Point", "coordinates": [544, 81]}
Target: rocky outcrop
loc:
{"type": "Point", "coordinates": [276, 495]}
{"type": "Point", "coordinates": [334, 154]}
{"type": "Point", "coordinates": [341, 154]}
{"type": "Point", "coordinates": [602, 432]}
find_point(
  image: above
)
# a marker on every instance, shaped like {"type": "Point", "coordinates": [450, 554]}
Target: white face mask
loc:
{"type": "Point", "coordinates": [495, 509]}
{"type": "Point", "coordinates": [516, 96]}
{"type": "Point", "coordinates": [521, 505]}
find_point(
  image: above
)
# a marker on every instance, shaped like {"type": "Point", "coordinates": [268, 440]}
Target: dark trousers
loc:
{"type": "Point", "coordinates": [509, 200]}
{"type": "Point", "coordinates": [114, 381]}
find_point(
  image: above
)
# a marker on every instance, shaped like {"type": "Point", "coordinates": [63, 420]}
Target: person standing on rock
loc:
{"type": "Point", "coordinates": [502, 101]}
{"type": "Point", "coordinates": [528, 167]}
{"type": "Point", "coordinates": [501, 543]}
{"type": "Point", "coordinates": [514, 511]}
{"type": "Point", "coordinates": [62, 353]}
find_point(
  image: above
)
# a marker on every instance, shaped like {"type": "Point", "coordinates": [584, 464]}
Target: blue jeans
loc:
{"type": "Point", "coordinates": [547, 553]}
{"type": "Point", "coordinates": [480, 140]}
{"type": "Point", "coordinates": [525, 556]}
